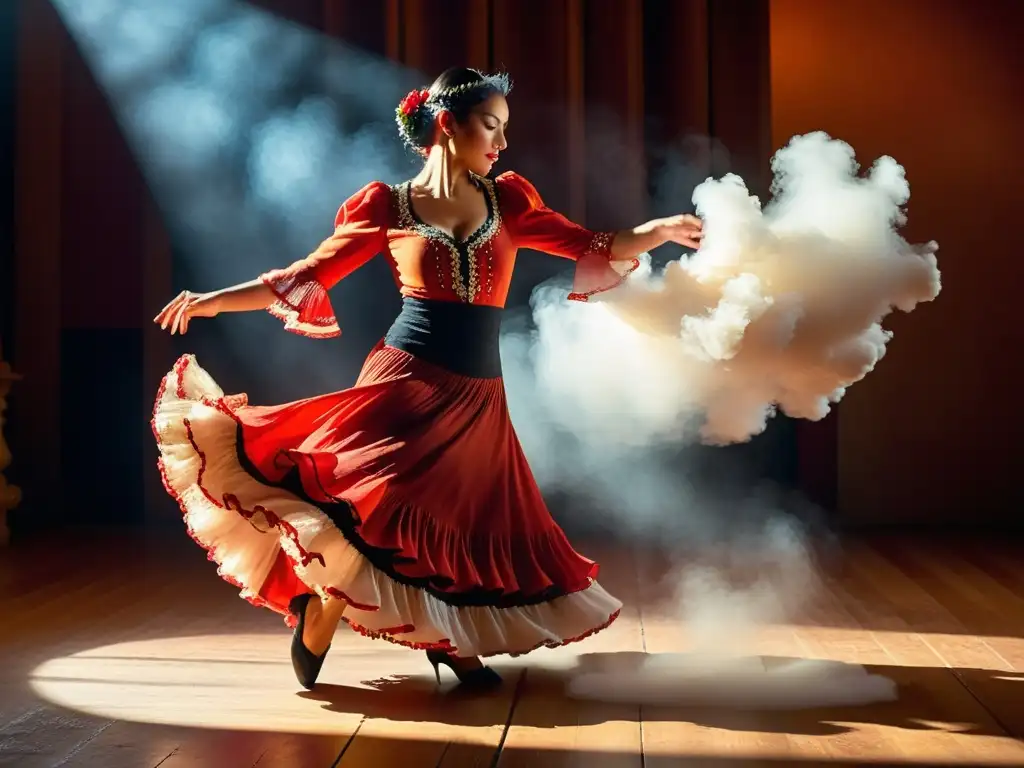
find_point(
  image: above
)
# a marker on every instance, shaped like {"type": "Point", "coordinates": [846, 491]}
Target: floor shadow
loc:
{"type": "Point", "coordinates": [797, 702]}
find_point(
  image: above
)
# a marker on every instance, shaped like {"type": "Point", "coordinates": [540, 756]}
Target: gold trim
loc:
{"type": "Point", "coordinates": [481, 237]}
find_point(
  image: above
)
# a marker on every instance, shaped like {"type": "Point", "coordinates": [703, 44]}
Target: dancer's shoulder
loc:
{"type": "Point", "coordinates": [372, 202]}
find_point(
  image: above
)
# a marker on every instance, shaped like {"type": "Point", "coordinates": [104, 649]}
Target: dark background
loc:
{"type": "Point", "coordinates": [928, 439]}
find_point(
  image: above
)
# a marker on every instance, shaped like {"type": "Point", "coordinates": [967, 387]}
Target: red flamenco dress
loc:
{"type": "Point", "coordinates": [407, 495]}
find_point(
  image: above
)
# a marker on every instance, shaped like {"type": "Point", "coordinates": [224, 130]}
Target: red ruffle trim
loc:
{"type": "Point", "coordinates": [302, 304]}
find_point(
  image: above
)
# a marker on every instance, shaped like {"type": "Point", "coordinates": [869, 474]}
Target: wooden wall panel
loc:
{"type": "Point", "coordinates": [34, 414]}
{"type": "Point", "coordinates": [930, 436]}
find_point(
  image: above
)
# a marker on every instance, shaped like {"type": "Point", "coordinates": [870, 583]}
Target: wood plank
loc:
{"type": "Point", "coordinates": [408, 701]}
{"type": "Point", "coordinates": [871, 734]}
{"type": "Point", "coordinates": [949, 586]}
{"type": "Point", "coordinates": [702, 730]}
{"type": "Point", "coordinates": [153, 660]}
{"type": "Point", "coordinates": [117, 663]}
{"type": "Point", "coordinates": [946, 669]}
{"type": "Point", "coordinates": [547, 721]}
{"type": "Point", "coordinates": [931, 696]}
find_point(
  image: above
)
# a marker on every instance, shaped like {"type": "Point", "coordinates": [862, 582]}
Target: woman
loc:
{"type": "Point", "coordinates": [403, 506]}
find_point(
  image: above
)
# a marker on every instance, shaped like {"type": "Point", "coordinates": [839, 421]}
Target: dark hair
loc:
{"type": "Point", "coordinates": [457, 90]}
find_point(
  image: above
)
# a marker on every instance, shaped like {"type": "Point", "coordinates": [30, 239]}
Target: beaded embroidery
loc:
{"type": "Point", "coordinates": [466, 290]}
{"type": "Point", "coordinates": [601, 245]}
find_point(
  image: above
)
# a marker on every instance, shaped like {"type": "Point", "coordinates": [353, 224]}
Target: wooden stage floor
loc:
{"type": "Point", "coordinates": [124, 651]}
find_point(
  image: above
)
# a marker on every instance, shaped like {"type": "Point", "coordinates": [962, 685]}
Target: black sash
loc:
{"type": "Point", "coordinates": [460, 337]}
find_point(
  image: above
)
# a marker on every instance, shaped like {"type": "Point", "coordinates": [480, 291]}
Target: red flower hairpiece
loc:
{"type": "Point", "coordinates": [413, 101]}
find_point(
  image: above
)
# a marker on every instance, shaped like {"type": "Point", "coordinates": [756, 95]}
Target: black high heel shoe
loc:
{"type": "Point", "coordinates": [306, 664]}
{"type": "Point", "coordinates": [479, 678]}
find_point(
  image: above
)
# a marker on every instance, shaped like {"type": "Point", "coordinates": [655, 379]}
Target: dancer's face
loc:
{"type": "Point", "coordinates": [477, 142]}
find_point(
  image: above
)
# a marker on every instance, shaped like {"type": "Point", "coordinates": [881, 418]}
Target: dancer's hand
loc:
{"type": "Point", "coordinates": [684, 229]}
{"type": "Point", "coordinates": [184, 307]}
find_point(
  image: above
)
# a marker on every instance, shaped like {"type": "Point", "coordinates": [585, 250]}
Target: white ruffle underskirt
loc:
{"type": "Point", "coordinates": [244, 524]}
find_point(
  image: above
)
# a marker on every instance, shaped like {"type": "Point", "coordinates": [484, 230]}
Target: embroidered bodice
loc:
{"type": "Point", "coordinates": [429, 263]}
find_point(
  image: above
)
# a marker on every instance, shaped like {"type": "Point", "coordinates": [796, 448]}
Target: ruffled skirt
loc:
{"type": "Point", "coordinates": [407, 495]}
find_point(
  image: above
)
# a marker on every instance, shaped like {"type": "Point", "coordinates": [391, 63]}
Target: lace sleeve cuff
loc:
{"type": "Point", "coordinates": [596, 272]}
{"type": "Point", "coordinates": [302, 304]}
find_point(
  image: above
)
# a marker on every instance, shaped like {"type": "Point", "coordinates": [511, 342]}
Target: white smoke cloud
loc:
{"type": "Point", "coordinates": [780, 309]}
{"type": "Point", "coordinates": [750, 683]}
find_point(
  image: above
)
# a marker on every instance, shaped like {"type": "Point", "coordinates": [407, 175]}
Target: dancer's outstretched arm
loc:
{"type": "Point", "coordinates": [603, 259]}
{"type": "Point", "coordinates": [297, 294]}
{"type": "Point", "coordinates": [244, 297]}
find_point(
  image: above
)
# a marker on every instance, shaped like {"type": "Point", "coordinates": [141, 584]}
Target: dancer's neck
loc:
{"type": "Point", "coordinates": [441, 176]}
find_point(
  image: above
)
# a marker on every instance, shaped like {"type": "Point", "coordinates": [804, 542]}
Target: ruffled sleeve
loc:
{"type": "Point", "coordinates": [360, 233]}
{"type": "Point", "coordinates": [533, 225]}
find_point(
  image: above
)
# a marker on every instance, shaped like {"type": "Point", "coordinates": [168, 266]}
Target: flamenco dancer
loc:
{"type": "Point", "coordinates": [403, 506]}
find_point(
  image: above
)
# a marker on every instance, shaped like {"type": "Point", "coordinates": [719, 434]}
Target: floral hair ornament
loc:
{"type": "Point", "coordinates": [413, 101]}
{"type": "Point", "coordinates": [407, 107]}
